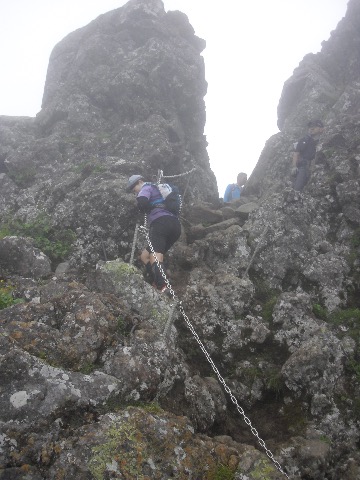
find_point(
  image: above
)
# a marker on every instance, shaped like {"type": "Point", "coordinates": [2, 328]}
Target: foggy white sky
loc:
{"type": "Point", "coordinates": [252, 49]}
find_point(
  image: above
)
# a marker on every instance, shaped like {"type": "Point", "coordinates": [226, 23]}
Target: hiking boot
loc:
{"type": "Point", "coordinates": [158, 279]}
{"type": "Point", "coordinates": [148, 274]}
{"type": "Point", "coordinates": [165, 291]}
{"type": "Point", "coordinates": [148, 278]}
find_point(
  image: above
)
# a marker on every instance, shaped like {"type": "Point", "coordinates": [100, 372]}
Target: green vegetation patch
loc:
{"type": "Point", "coordinates": [275, 381]}
{"type": "Point", "coordinates": [319, 311]}
{"type": "Point", "coordinates": [131, 443]}
{"type": "Point", "coordinates": [120, 270]}
{"type": "Point", "coordinates": [355, 240]}
{"type": "Point", "coordinates": [87, 368]}
{"type": "Point", "coordinates": [268, 308]}
{"type": "Point", "coordinates": [123, 451]}
{"type": "Point", "coordinates": [6, 295]}
{"type": "Point", "coordinates": [267, 297]}
{"type": "Point", "coordinates": [88, 167]}
{"type": "Point", "coordinates": [354, 366]}
{"type": "Point", "coordinates": [295, 416]}
{"type": "Point", "coordinates": [348, 322]}
{"type": "Point", "coordinates": [55, 242]}
{"type": "Point", "coordinates": [221, 472]}
{"type": "Point", "coordinates": [354, 254]}
{"type": "Point", "coordinates": [263, 470]}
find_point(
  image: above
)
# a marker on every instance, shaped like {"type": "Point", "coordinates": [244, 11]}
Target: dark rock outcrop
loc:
{"type": "Point", "coordinates": [101, 376]}
{"type": "Point", "coordinates": [327, 80]}
{"type": "Point", "coordinates": [18, 256]}
{"type": "Point", "coordinates": [123, 95]}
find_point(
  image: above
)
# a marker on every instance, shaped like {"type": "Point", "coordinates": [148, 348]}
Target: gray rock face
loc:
{"type": "Point", "coordinates": [123, 95]}
{"type": "Point", "coordinates": [326, 80]}
{"type": "Point", "coordinates": [138, 444]}
{"type": "Point", "coordinates": [101, 376]}
{"type": "Point", "coordinates": [19, 256]}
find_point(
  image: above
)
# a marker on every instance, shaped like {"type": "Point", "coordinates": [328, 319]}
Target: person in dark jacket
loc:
{"type": "Point", "coordinates": [164, 227]}
{"type": "Point", "coordinates": [304, 153]}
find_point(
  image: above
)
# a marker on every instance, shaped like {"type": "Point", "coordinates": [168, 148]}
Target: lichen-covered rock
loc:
{"type": "Point", "coordinates": [315, 367]}
{"type": "Point", "coordinates": [8, 194]}
{"type": "Point", "coordinates": [70, 330]}
{"type": "Point", "coordinates": [143, 364]}
{"type": "Point", "coordinates": [329, 270]}
{"type": "Point", "coordinates": [19, 256]}
{"type": "Point", "coordinates": [207, 402]}
{"type": "Point", "coordinates": [120, 278]}
{"type": "Point", "coordinates": [266, 310]}
{"type": "Point", "coordinates": [136, 443]}
{"type": "Point", "coordinates": [36, 391]}
{"type": "Point", "coordinates": [204, 298]}
{"type": "Point", "coordinates": [295, 321]}
{"type": "Point", "coordinates": [130, 100]}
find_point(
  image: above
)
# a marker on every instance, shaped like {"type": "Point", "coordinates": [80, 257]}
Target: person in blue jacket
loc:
{"type": "Point", "coordinates": [164, 227]}
{"type": "Point", "coordinates": [233, 191]}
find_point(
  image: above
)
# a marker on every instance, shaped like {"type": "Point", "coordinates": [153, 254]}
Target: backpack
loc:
{"type": "Point", "coordinates": [233, 187]}
{"type": "Point", "coordinates": [171, 196]}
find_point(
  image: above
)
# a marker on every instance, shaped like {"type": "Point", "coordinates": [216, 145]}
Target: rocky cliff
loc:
{"type": "Point", "coordinates": [101, 377]}
{"type": "Point", "coordinates": [123, 95]}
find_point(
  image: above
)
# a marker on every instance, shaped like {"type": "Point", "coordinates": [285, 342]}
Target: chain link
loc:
{"type": "Point", "coordinates": [161, 175]}
{"type": "Point", "coordinates": [228, 391]}
{"type": "Point", "coordinates": [180, 174]}
{"type": "Point", "coordinates": [209, 359]}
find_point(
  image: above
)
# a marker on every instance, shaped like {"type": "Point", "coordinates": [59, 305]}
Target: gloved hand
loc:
{"type": "Point", "coordinates": [294, 171]}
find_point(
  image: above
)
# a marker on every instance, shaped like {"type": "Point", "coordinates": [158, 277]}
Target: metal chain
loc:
{"type": "Point", "coordinates": [161, 175]}
{"type": "Point", "coordinates": [175, 176]}
{"type": "Point", "coordinates": [181, 204]}
{"type": "Point", "coordinates": [180, 174]}
{"type": "Point", "coordinates": [209, 359]}
{"type": "Point", "coordinates": [229, 392]}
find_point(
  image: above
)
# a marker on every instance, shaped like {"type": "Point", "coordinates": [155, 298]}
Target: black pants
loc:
{"type": "Point", "coordinates": [302, 177]}
{"type": "Point", "coordinates": [163, 233]}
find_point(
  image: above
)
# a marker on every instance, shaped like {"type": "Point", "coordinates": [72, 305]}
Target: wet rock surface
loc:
{"type": "Point", "coordinates": [101, 377]}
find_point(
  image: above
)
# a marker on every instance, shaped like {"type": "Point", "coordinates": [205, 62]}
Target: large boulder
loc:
{"type": "Point", "coordinates": [19, 256]}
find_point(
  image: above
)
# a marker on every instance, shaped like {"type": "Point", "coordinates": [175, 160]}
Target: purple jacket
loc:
{"type": "Point", "coordinates": [151, 192]}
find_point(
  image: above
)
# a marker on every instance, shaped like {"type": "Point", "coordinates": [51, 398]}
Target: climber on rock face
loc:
{"type": "Point", "coordinates": [304, 153]}
{"type": "Point", "coordinates": [164, 227]}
